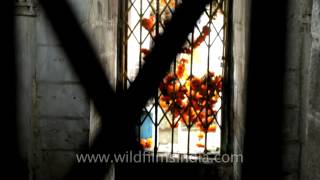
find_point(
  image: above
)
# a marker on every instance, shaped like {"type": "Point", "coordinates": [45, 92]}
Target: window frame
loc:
{"type": "Point", "coordinates": [226, 146]}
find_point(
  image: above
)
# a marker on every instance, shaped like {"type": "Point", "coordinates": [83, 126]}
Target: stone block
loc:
{"type": "Point", "coordinates": [64, 134]}
{"type": "Point", "coordinates": [62, 100]}
{"type": "Point", "coordinates": [45, 33]}
{"type": "Point", "coordinates": [291, 156]}
{"type": "Point", "coordinates": [54, 165]}
{"type": "Point", "coordinates": [291, 176]}
{"type": "Point", "coordinates": [292, 88]}
{"type": "Point", "coordinates": [53, 65]}
{"type": "Point", "coordinates": [290, 124]}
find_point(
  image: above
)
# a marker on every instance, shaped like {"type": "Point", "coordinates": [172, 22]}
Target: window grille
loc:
{"type": "Point", "coordinates": [185, 116]}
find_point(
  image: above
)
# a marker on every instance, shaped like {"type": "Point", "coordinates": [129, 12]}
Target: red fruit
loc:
{"type": "Point", "coordinates": [200, 145]}
{"type": "Point", "coordinates": [177, 86]}
{"type": "Point", "coordinates": [202, 115]}
{"type": "Point", "coordinates": [200, 135]}
{"type": "Point", "coordinates": [213, 100]}
{"type": "Point", "coordinates": [197, 107]}
{"type": "Point", "coordinates": [143, 142]}
{"type": "Point", "coordinates": [195, 83]}
{"type": "Point", "coordinates": [198, 95]}
{"type": "Point", "coordinates": [170, 88]}
{"type": "Point", "coordinates": [193, 93]}
{"type": "Point", "coordinates": [180, 95]}
{"type": "Point", "coordinates": [209, 120]}
{"type": "Point", "coordinates": [201, 38]}
{"type": "Point", "coordinates": [198, 124]}
{"type": "Point", "coordinates": [148, 143]}
{"type": "Point", "coordinates": [185, 118]}
{"type": "Point", "coordinates": [184, 89]}
{"type": "Point", "coordinates": [206, 30]}
{"type": "Point", "coordinates": [218, 80]}
{"type": "Point", "coordinates": [209, 112]}
{"type": "Point", "coordinates": [193, 113]}
{"type": "Point", "coordinates": [148, 23]}
{"type": "Point", "coordinates": [212, 128]}
{"type": "Point", "coordinates": [179, 101]}
{"type": "Point", "coordinates": [164, 105]}
{"type": "Point", "coordinates": [203, 88]}
{"type": "Point", "coordinates": [219, 86]}
{"type": "Point", "coordinates": [165, 98]}
{"type": "Point", "coordinates": [183, 61]}
{"type": "Point", "coordinates": [145, 51]}
{"type": "Point", "coordinates": [179, 74]}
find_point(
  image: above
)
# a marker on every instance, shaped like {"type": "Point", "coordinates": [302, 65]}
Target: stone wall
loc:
{"type": "Point", "coordinates": [239, 51]}
{"type": "Point", "coordinates": [310, 134]}
{"type": "Point", "coordinates": [298, 51]}
{"type": "Point", "coordinates": [300, 134]}
{"type": "Point", "coordinates": [25, 41]}
{"type": "Point", "coordinates": [54, 111]}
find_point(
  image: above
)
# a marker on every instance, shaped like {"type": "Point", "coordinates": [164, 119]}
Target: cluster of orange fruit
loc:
{"type": "Point", "coordinates": [205, 32]}
{"type": "Point", "coordinates": [169, 5]}
{"type": "Point", "coordinates": [146, 143]}
{"type": "Point", "coordinates": [148, 24]}
{"type": "Point", "coordinates": [194, 100]}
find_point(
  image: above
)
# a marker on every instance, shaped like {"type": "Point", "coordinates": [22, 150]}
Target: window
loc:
{"type": "Point", "coordinates": [186, 116]}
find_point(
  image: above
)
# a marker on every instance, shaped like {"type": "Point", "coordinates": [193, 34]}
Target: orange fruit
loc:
{"type": "Point", "coordinates": [147, 23]}
{"type": "Point", "coordinates": [200, 135]}
{"type": "Point", "coordinates": [212, 128]}
{"type": "Point", "coordinates": [163, 104]}
{"type": "Point", "coordinates": [170, 88]}
{"type": "Point", "coordinates": [148, 143]}
{"type": "Point", "coordinates": [200, 145]}
{"type": "Point", "coordinates": [210, 120]}
{"type": "Point", "coordinates": [198, 95]}
{"type": "Point", "coordinates": [203, 88]}
{"type": "Point", "coordinates": [143, 142]}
